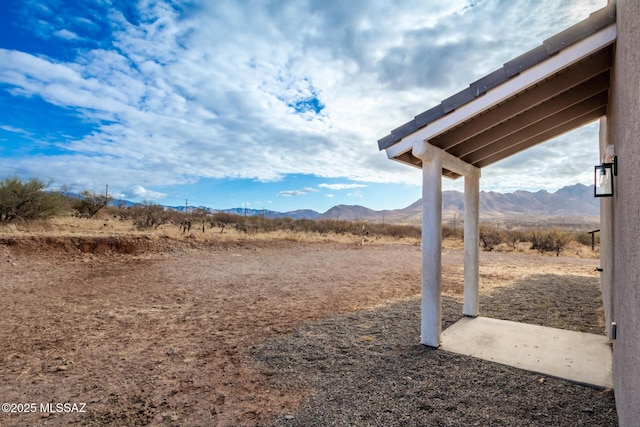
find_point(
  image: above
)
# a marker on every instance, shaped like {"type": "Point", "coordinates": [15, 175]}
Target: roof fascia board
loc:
{"type": "Point", "coordinates": [511, 87]}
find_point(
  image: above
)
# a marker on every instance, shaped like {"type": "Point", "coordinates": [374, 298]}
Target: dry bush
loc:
{"type": "Point", "coordinates": [490, 238]}
{"type": "Point", "coordinates": [550, 241]}
{"type": "Point", "coordinates": [513, 237]}
{"type": "Point", "coordinates": [397, 231]}
{"type": "Point", "coordinates": [452, 233]}
{"type": "Point", "coordinates": [89, 203]}
{"type": "Point", "coordinates": [149, 215]}
{"type": "Point", "coordinates": [28, 200]}
{"type": "Point", "coordinates": [584, 238]}
{"type": "Point", "coordinates": [259, 224]}
{"type": "Point", "coordinates": [221, 220]}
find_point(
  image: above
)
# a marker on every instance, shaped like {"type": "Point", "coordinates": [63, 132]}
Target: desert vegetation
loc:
{"type": "Point", "coordinates": [553, 240]}
{"type": "Point", "coordinates": [28, 200]}
{"type": "Point", "coordinates": [24, 203]}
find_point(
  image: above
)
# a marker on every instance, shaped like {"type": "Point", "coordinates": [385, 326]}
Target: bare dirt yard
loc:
{"type": "Point", "coordinates": [137, 330]}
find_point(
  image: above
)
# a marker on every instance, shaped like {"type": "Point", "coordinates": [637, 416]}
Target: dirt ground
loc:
{"type": "Point", "coordinates": [153, 331]}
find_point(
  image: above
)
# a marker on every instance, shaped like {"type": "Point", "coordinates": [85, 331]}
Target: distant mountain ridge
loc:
{"type": "Point", "coordinates": [575, 202]}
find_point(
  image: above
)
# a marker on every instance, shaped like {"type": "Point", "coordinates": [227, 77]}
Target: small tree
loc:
{"type": "Point", "coordinates": [490, 238]}
{"type": "Point", "coordinates": [560, 241]}
{"type": "Point", "coordinates": [456, 233]}
{"type": "Point", "coordinates": [22, 201]}
{"type": "Point", "coordinates": [90, 203]}
{"type": "Point", "coordinates": [550, 241]}
{"type": "Point", "coordinates": [513, 237]}
{"type": "Point", "coordinates": [585, 238]}
{"type": "Point", "coordinates": [222, 219]}
{"type": "Point", "coordinates": [149, 215]}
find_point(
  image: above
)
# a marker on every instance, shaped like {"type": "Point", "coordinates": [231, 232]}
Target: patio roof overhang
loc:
{"type": "Point", "coordinates": [555, 88]}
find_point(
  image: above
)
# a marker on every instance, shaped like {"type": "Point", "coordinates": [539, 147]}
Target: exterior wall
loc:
{"type": "Point", "coordinates": [606, 237]}
{"type": "Point", "coordinates": [624, 128]}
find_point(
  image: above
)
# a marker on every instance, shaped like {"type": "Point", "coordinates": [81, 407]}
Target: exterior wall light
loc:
{"type": "Point", "coordinates": [603, 178]}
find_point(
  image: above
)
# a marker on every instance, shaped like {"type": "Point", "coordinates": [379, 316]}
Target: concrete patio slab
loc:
{"type": "Point", "coordinates": [574, 356]}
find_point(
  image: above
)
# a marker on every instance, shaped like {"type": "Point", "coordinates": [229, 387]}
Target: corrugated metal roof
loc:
{"type": "Point", "coordinates": [575, 95]}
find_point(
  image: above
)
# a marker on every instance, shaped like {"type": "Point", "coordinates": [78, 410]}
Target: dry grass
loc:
{"type": "Point", "coordinates": [112, 227]}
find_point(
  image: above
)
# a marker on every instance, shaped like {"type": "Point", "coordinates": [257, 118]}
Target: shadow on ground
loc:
{"type": "Point", "coordinates": [367, 368]}
{"type": "Point", "coordinates": [557, 301]}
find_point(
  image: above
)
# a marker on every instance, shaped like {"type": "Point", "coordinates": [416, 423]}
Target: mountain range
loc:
{"type": "Point", "coordinates": [573, 204]}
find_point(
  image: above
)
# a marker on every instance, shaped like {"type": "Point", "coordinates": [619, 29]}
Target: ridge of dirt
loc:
{"type": "Point", "coordinates": [129, 244]}
{"type": "Point", "coordinates": [99, 245]}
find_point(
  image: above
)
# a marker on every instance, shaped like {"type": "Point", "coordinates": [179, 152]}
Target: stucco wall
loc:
{"type": "Point", "coordinates": [606, 236]}
{"type": "Point", "coordinates": [624, 122]}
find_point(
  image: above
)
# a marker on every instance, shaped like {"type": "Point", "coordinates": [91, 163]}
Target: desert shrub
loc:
{"type": "Point", "coordinates": [396, 231]}
{"type": "Point", "coordinates": [456, 233]}
{"type": "Point", "coordinates": [222, 220]}
{"type": "Point", "coordinates": [490, 238]}
{"type": "Point", "coordinates": [584, 238]}
{"type": "Point", "coordinates": [90, 203]}
{"type": "Point", "coordinates": [284, 223]}
{"type": "Point", "coordinates": [549, 241]}
{"type": "Point", "coordinates": [122, 212]}
{"type": "Point", "coordinates": [247, 226]}
{"type": "Point", "coordinates": [537, 240]}
{"type": "Point", "coordinates": [149, 215]}
{"type": "Point", "coordinates": [262, 224]}
{"type": "Point", "coordinates": [28, 200]}
{"type": "Point", "coordinates": [256, 224]}
{"type": "Point", "coordinates": [198, 214]}
{"type": "Point", "coordinates": [513, 237]}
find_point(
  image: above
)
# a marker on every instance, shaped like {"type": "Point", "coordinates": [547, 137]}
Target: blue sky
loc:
{"type": "Point", "coordinates": [263, 104]}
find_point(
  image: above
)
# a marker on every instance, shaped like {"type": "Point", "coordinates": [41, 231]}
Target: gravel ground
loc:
{"type": "Point", "coordinates": [368, 369]}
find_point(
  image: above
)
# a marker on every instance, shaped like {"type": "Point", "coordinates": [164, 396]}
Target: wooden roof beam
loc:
{"type": "Point", "coordinates": [572, 77]}
{"type": "Point", "coordinates": [534, 115]}
{"type": "Point", "coordinates": [545, 127]}
{"type": "Point", "coordinates": [543, 137]}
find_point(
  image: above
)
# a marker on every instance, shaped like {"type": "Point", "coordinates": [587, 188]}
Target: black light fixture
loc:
{"type": "Point", "coordinates": [603, 178]}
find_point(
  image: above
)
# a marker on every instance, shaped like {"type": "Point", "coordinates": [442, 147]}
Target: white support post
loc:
{"type": "Point", "coordinates": [471, 245]}
{"type": "Point", "coordinates": [433, 160]}
{"type": "Point", "coordinates": [431, 324]}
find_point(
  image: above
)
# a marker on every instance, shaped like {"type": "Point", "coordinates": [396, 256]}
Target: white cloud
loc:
{"type": "Point", "coordinates": [211, 93]}
{"type": "Point", "coordinates": [66, 34]}
{"type": "Point", "coordinates": [140, 192]}
{"type": "Point", "coordinates": [14, 129]}
{"type": "Point", "coordinates": [341, 186]}
{"type": "Point", "coordinates": [301, 192]}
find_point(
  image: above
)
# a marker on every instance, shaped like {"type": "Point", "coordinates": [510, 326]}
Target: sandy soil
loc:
{"type": "Point", "coordinates": [160, 332]}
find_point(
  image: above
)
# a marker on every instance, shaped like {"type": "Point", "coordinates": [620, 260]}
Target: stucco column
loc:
{"type": "Point", "coordinates": [471, 245]}
{"type": "Point", "coordinates": [431, 324]}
